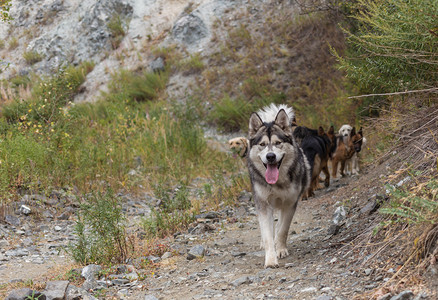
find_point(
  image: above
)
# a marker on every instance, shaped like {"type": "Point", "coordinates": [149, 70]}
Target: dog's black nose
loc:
{"type": "Point", "coordinates": [270, 157]}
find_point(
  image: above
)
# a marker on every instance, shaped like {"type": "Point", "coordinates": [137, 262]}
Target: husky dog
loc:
{"type": "Point", "coordinates": [279, 173]}
{"type": "Point", "coordinates": [351, 165]}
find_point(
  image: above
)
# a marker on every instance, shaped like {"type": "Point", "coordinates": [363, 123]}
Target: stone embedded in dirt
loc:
{"type": "Point", "coordinates": [242, 280]}
{"type": "Point", "coordinates": [339, 215]}
{"type": "Point", "coordinates": [25, 293]}
{"type": "Point", "coordinates": [190, 29]}
{"type": "Point", "coordinates": [91, 284]}
{"type": "Point", "coordinates": [333, 229]}
{"type": "Point", "coordinates": [238, 253]}
{"type": "Point", "coordinates": [17, 253]}
{"type": "Point", "coordinates": [310, 289]}
{"type": "Point", "coordinates": [405, 295]}
{"type": "Point", "coordinates": [196, 251]}
{"type": "Point", "coordinates": [157, 65]}
{"type": "Point", "coordinates": [12, 220]}
{"type": "Point", "coordinates": [90, 271]}
{"type": "Point", "coordinates": [77, 293]}
{"type": "Point", "coordinates": [25, 210]}
{"type": "Point", "coordinates": [166, 255]}
{"type": "Point", "coordinates": [368, 272]}
{"type": "Point", "coordinates": [55, 290]}
{"type": "Point", "coordinates": [325, 297]}
{"type": "Point", "coordinates": [150, 297]}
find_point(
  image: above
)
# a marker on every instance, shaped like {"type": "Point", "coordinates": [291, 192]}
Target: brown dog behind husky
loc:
{"type": "Point", "coordinates": [345, 148]}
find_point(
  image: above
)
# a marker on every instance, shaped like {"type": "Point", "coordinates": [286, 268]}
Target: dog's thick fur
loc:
{"type": "Point", "coordinates": [279, 173]}
{"type": "Point", "coordinates": [346, 146]}
{"type": "Point", "coordinates": [316, 145]}
{"type": "Point", "coordinates": [239, 146]}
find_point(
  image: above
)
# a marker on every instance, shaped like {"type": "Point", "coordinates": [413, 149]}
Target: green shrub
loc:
{"type": "Point", "coordinates": [173, 214]}
{"type": "Point", "coordinates": [101, 231]}
{"type": "Point", "coordinates": [117, 31]}
{"type": "Point", "coordinates": [414, 207]}
{"type": "Point", "coordinates": [13, 43]}
{"type": "Point", "coordinates": [139, 87]}
{"type": "Point", "coordinates": [231, 114]}
{"type": "Point", "coordinates": [32, 57]}
{"type": "Point", "coordinates": [394, 46]}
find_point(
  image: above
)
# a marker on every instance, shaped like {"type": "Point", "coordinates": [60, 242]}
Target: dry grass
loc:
{"type": "Point", "coordinates": [282, 55]}
{"type": "Point", "coordinates": [405, 139]}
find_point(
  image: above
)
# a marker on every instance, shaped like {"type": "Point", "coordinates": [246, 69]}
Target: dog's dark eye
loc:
{"type": "Point", "coordinates": [277, 143]}
{"type": "Point", "coordinates": [263, 144]}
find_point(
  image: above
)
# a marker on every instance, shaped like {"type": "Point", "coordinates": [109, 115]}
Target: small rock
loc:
{"type": "Point", "coordinates": [339, 215]}
{"type": "Point", "coordinates": [333, 229]}
{"type": "Point", "coordinates": [157, 65]}
{"type": "Point", "coordinates": [77, 293]}
{"type": "Point", "coordinates": [405, 295]}
{"type": "Point", "coordinates": [25, 293]}
{"type": "Point", "coordinates": [368, 272]}
{"type": "Point", "coordinates": [12, 220]}
{"type": "Point", "coordinates": [238, 253]}
{"type": "Point", "coordinates": [385, 297]}
{"type": "Point", "coordinates": [166, 255]}
{"type": "Point", "coordinates": [196, 252]}
{"type": "Point", "coordinates": [309, 290]}
{"type": "Point", "coordinates": [25, 210]}
{"type": "Point", "coordinates": [90, 271]}
{"type": "Point", "coordinates": [58, 228]}
{"type": "Point", "coordinates": [90, 284]}
{"type": "Point", "coordinates": [154, 259]}
{"type": "Point", "coordinates": [325, 297]}
{"type": "Point", "coordinates": [55, 290]}
{"type": "Point", "coordinates": [241, 280]}
{"type": "Point", "coordinates": [150, 297]}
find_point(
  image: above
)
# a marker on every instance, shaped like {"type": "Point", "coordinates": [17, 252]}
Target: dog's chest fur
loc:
{"type": "Point", "coordinates": [276, 196]}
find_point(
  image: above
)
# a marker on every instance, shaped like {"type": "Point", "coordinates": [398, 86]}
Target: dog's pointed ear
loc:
{"type": "Point", "coordinates": [321, 131]}
{"type": "Point", "coordinates": [360, 132]}
{"type": "Point", "coordinates": [294, 122]}
{"type": "Point", "coordinates": [353, 132]}
{"type": "Point", "coordinates": [254, 124]}
{"type": "Point", "coordinates": [331, 130]}
{"type": "Point", "coordinates": [282, 120]}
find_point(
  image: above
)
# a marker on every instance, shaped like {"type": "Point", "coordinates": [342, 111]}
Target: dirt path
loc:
{"type": "Point", "coordinates": [233, 265]}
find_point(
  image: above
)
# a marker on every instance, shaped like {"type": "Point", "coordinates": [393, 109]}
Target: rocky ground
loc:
{"type": "Point", "coordinates": [219, 256]}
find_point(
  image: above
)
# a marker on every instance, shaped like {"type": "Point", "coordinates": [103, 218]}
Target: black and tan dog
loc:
{"type": "Point", "coordinates": [346, 147]}
{"type": "Point", "coordinates": [316, 145]}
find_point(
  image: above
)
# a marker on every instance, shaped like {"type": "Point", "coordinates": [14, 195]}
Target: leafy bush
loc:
{"type": "Point", "coordinates": [101, 231]}
{"type": "Point", "coordinates": [117, 30]}
{"type": "Point", "coordinates": [394, 46]}
{"type": "Point", "coordinates": [173, 214]}
{"type": "Point", "coordinates": [32, 57]}
{"type": "Point", "coordinates": [231, 114]}
{"type": "Point", "coordinates": [143, 87]}
{"type": "Point", "coordinates": [418, 206]}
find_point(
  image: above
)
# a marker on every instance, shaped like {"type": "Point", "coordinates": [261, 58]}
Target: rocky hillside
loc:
{"type": "Point", "coordinates": [65, 32]}
{"type": "Point", "coordinates": [227, 58]}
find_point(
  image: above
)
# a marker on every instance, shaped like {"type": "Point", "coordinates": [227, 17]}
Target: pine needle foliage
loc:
{"type": "Point", "coordinates": [394, 46]}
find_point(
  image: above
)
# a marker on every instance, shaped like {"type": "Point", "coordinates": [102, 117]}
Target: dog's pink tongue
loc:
{"type": "Point", "coordinates": [271, 175]}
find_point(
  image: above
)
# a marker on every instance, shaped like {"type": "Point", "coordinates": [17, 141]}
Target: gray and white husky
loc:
{"type": "Point", "coordinates": [279, 172]}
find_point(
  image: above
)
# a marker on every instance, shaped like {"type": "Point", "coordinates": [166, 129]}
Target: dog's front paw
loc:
{"type": "Point", "coordinates": [271, 264]}
{"type": "Point", "coordinates": [282, 253]}
{"type": "Point", "coordinates": [271, 260]}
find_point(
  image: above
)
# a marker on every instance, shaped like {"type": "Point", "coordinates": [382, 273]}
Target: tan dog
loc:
{"type": "Point", "coordinates": [346, 146]}
{"type": "Point", "coordinates": [239, 146]}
